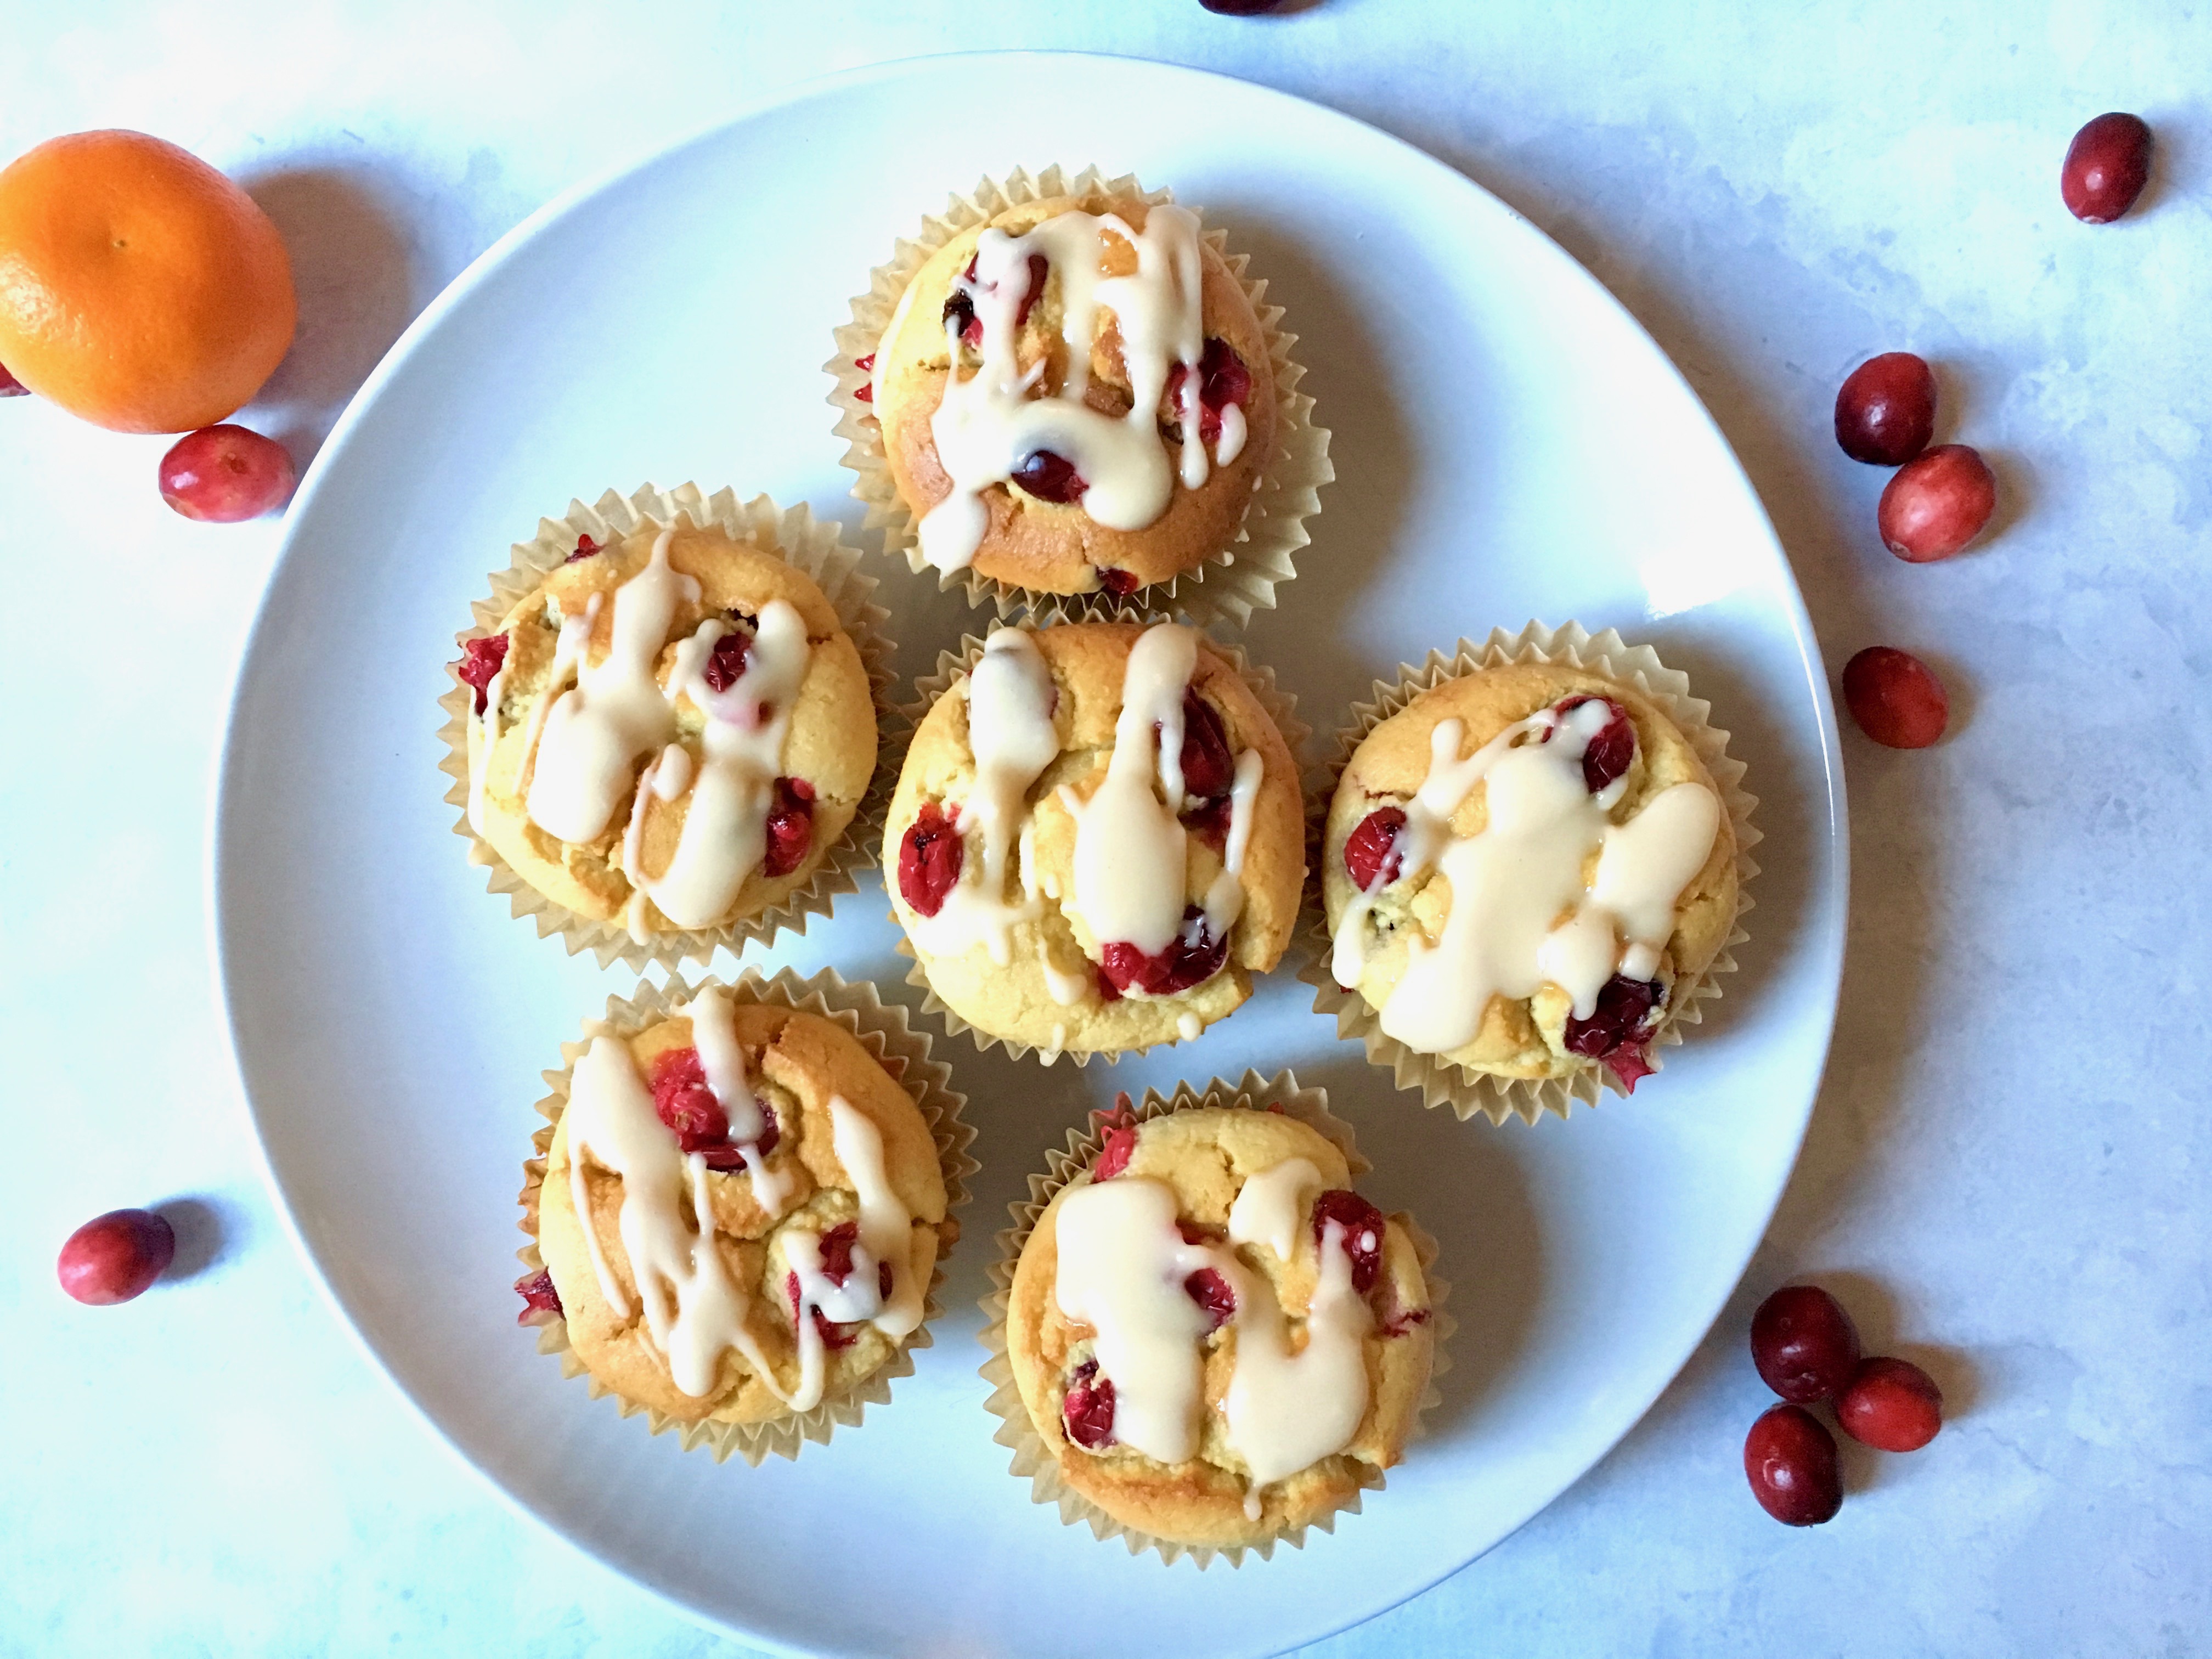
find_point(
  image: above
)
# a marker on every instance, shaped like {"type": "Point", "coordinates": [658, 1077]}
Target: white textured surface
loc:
{"type": "Point", "coordinates": [2005, 1176]}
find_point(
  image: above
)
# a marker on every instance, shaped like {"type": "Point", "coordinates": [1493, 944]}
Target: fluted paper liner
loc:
{"type": "Point", "coordinates": [1230, 584]}
{"type": "Point", "coordinates": [902, 1051]}
{"type": "Point", "coordinates": [1440, 1081]}
{"type": "Point", "coordinates": [1031, 1457]}
{"type": "Point", "coordinates": [800, 540]}
{"type": "Point", "coordinates": [1279, 705]}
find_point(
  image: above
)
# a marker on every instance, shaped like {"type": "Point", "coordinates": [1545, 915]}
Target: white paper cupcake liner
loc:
{"type": "Point", "coordinates": [1228, 586]}
{"type": "Point", "coordinates": [1280, 707]}
{"type": "Point", "coordinates": [1032, 1458]}
{"type": "Point", "coordinates": [1439, 1082]}
{"type": "Point", "coordinates": [802, 541]}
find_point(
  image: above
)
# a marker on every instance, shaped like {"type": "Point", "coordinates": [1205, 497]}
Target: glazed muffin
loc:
{"type": "Point", "coordinates": [1076, 396]}
{"type": "Point", "coordinates": [740, 1214]}
{"type": "Point", "coordinates": [669, 734]}
{"type": "Point", "coordinates": [1216, 1340]}
{"type": "Point", "coordinates": [1523, 868]}
{"type": "Point", "coordinates": [1099, 838]}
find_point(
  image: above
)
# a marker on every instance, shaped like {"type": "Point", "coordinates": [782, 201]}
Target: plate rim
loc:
{"type": "Point", "coordinates": [1825, 916]}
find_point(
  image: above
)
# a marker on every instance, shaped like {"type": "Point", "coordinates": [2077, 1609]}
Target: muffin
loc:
{"type": "Point", "coordinates": [740, 1214]}
{"type": "Point", "coordinates": [669, 734]}
{"type": "Point", "coordinates": [1076, 395]}
{"type": "Point", "coordinates": [1524, 870]}
{"type": "Point", "coordinates": [1099, 838]}
{"type": "Point", "coordinates": [1216, 1340]}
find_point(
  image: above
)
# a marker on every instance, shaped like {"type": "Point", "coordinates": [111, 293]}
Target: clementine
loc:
{"type": "Point", "coordinates": [139, 287]}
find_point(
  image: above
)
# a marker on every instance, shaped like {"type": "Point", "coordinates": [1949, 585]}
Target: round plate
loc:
{"type": "Point", "coordinates": [1509, 444]}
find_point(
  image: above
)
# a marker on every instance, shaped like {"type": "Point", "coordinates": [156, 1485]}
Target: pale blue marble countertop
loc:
{"type": "Point", "coordinates": [2008, 1171]}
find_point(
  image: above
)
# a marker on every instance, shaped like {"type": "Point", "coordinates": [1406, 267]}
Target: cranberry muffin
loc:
{"type": "Point", "coordinates": [1523, 868]}
{"type": "Point", "coordinates": [669, 734]}
{"type": "Point", "coordinates": [1216, 1339]}
{"type": "Point", "coordinates": [1096, 839]}
{"type": "Point", "coordinates": [1076, 396]}
{"type": "Point", "coordinates": [740, 1214]}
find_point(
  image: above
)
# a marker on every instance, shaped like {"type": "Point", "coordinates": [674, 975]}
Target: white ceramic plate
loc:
{"type": "Point", "coordinates": [1509, 444]}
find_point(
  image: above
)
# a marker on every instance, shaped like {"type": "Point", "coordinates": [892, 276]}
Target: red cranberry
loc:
{"type": "Point", "coordinates": [1209, 823]}
{"type": "Point", "coordinates": [1120, 1146]}
{"type": "Point", "coordinates": [1791, 1462]}
{"type": "Point", "coordinates": [1803, 1343]}
{"type": "Point", "coordinates": [1935, 505]}
{"type": "Point", "coordinates": [480, 660]}
{"type": "Point", "coordinates": [226, 474]}
{"type": "Point", "coordinates": [832, 1336]}
{"type": "Point", "coordinates": [836, 1251]}
{"type": "Point", "coordinates": [1050, 477]}
{"type": "Point", "coordinates": [726, 663]}
{"type": "Point", "coordinates": [683, 1101]}
{"type": "Point", "coordinates": [1120, 583]}
{"type": "Point", "coordinates": [866, 391]}
{"type": "Point", "coordinates": [114, 1257]}
{"type": "Point", "coordinates": [1886, 409]}
{"type": "Point", "coordinates": [1194, 957]}
{"type": "Point", "coordinates": [1610, 750]}
{"type": "Point", "coordinates": [541, 1302]}
{"type": "Point", "coordinates": [1891, 1405]}
{"type": "Point", "coordinates": [929, 860]}
{"type": "Point", "coordinates": [585, 546]}
{"type": "Point", "coordinates": [1403, 1322]}
{"type": "Point", "coordinates": [960, 311]}
{"type": "Point", "coordinates": [1088, 1408]}
{"type": "Point", "coordinates": [10, 386]}
{"type": "Point", "coordinates": [790, 827]}
{"type": "Point", "coordinates": [1040, 269]}
{"type": "Point", "coordinates": [1208, 769]}
{"type": "Point", "coordinates": [2106, 166]}
{"type": "Point", "coordinates": [1363, 1232]}
{"type": "Point", "coordinates": [1211, 1292]}
{"type": "Point", "coordinates": [1370, 851]}
{"type": "Point", "coordinates": [1895, 697]}
{"type": "Point", "coordinates": [1618, 1030]}
{"type": "Point", "coordinates": [1223, 380]}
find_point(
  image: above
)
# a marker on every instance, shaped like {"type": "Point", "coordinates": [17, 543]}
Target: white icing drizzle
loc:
{"type": "Point", "coordinates": [595, 732]}
{"type": "Point", "coordinates": [480, 774]}
{"type": "Point", "coordinates": [695, 1311]}
{"type": "Point", "coordinates": [1230, 444]}
{"type": "Point", "coordinates": [988, 423]}
{"type": "Point", "coordinates": [1520, 915]}
{"type": "Point", "coordinates": [1270, 1205]}
{"type": "Point", "coordinates": [732, 789]}
{"type": "Point", "coordinates": [1287, 1410]}
{"type": "Point", "coordinates": [1188, 1025]}
{"type": "Point", "coordinates": [722, 1062]}
{"type": "Point", "coordinates": [1224, 896]}
{"type": "Point", "coordinates": [1129, 843]}
{"type": "Point", "coordinates": [1011, 733]}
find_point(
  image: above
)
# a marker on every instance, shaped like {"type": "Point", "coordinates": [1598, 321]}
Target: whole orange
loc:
{"type": "Point", "coordinates": [139, 287]}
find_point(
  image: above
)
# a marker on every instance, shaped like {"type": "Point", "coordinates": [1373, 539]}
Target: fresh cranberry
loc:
{"type": "Point", "coordinates": [836, 1251]}
{"type": "Point", "coordinates": [683, 1101]}
{"type": "Point", "coordinates": [1363, 1232]}
{"type": "Point", "coordinates": [1209, 823]}
{"type": "Point", "coordinates": [114, 1257]}
{"type": "Point", "coordinates": [226, 474]}
{"type": "Point", "coordinates": [1610, 750]}
{"type": "Point", "coordinates": [585, 548]}
{"type": "Point", "coordinates": [1197, 1232]}
{"type": "Point", "coordinates": [1223, 380]}
{"type": "Point", "coordinates": [790, 827]}
{"type": "Point", "coordinates": [1050, 477]}
{"type": "Point", "coordinates": [1886, 409]}
{"type": "Point", "coordinates": [480, 660]}
{"type": "Point", "coordinates": [2106, 166]}
{"type": "Point", "coordinates": [1895, 697]}
{"type": "Point", "coordinates": [1618, 1028]}
{"type": "Point", "coordinates": [1371, 857]}
{"type": "Point", "coordinates": [929, 860]}
{"type": "Point", "coordinates": [1933, 506]}
{"type": "Point", "coordinates": [1208, 769]}
{"type": "Point", "coordinates": [726, 663]}
{"type": "Point", "coordinates": [1791, 1462]}
{"type": "Point", "coordinates": [1039, 269]}
{"type": "Point", "coordinates": [1087, 1409]}
{"type": "Point", "coordinates": [1803, 1343]}
{"type": "Point", "coordinates": [1891, 1405]}
{"type": "Point", "coordinates": [1120, 583]}
{"type": "Point", "coordinates": [833, 1336]}
{"type": "Point", "coordinates": [1403, 1322]}
{"type": "Point", "coordinates": [1194, 957]}
{"type": "Point", "coordinates": [1120, 1146]}
{"type": "Point", "coordinates": [10, 386]}
{"type": "Point", "coordinates": [541, 1301]}
{"type": "Point", "coordinates": [960, 308]}
{"type": "Point", "coordinates": [866, 391]}
{"type": "Point", "coordinates": [1211, 1292]}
